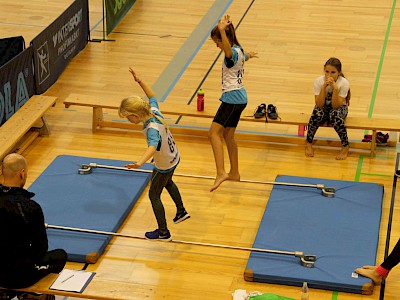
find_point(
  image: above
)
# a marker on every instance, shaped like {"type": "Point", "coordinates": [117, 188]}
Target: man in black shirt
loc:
{"type": "Point", "coordinates": [24, 255]}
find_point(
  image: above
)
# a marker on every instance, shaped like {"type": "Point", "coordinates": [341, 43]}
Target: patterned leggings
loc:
{"type": "Point", "coordinates": [336, 117]}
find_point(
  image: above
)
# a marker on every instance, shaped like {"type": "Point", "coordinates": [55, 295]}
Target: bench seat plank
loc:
{"type": "Point", "coordinates": [298, 119]}
{"type": "Point", "coordinates": [22, 121]}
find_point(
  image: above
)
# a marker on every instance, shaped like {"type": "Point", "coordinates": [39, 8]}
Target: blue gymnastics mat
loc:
{"type": "Point", "coordinates": [98, 201]}
{"type": "Point", "coordinates": [342, 232]}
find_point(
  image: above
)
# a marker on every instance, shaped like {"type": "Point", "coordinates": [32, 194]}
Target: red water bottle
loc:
{"type": "Point", "coordinates": [200, 100]}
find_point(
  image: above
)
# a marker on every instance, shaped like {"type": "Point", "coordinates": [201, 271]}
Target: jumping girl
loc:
{"type": "Point", "coordinates": [234, 100]}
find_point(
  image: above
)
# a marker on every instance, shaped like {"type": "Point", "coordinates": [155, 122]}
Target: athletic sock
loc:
{"type": "Point", "coordinates": [382, 271]}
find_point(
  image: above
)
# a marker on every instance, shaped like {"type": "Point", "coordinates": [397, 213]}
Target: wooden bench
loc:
{"type": "Point", "coordinates": [18, 126]}
{"type": "Point", "coordinates": [297, 119]}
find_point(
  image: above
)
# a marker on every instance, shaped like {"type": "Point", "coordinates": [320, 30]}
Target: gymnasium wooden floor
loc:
{"type": "Point", "coordinates": [294, 39]}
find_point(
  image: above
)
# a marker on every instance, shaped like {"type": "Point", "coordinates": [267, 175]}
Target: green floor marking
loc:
{"type": "Point", "coordinates": [378, 74]}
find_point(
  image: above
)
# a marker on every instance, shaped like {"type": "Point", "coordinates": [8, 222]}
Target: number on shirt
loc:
{"type": "Point", "coordinates": [171, 143]}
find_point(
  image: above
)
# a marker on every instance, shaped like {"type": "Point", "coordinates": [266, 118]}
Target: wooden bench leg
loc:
{"type": "Point", "coordinates": [97, 117]}
{"type": "Point", "coordinates": [44, 130]}
{"type": "Point", "coordinates": [373, 143]}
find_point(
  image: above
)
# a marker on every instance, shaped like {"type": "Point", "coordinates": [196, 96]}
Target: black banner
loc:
{"type": "Point", "coordinates": [55, 46]}
{"type": "Point", "coordinates": [17, 83]}
{"type": "Point", "coordinates": [10, 48]}
{"type": "Point", "coordinates": [115, 11]}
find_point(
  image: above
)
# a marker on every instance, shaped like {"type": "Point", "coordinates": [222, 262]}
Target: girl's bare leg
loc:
{"type": "Point", "coordinates": [229, 136]}
{"type": "Point", "coordinates": [215, 137]}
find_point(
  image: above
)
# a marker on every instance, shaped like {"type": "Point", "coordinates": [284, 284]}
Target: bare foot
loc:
{"type": "Point", "coordinates": [218, 180]}
{"type": "Point", "coordinates": [369, 271]}
{"type": "Point", "coordinates": [234, 177]}
{"type": "Point", "coordinates": [309, 150]}
{"type": "Point", "coordinates": [343, 153]}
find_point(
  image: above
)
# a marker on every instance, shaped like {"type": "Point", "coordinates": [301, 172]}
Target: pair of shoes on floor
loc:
{"type": "Point", "coordinates": [266, 111]}
{"type": "Point", "coordinates": [381, 139]}
{"type": "Point", "coordinates": [166, 236]}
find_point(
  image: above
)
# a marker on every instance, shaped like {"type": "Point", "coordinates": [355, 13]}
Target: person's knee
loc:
{"type": "Point", "coordinates": [212, 134]}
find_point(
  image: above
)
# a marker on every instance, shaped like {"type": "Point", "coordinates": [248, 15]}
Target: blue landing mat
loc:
{"type": "Point", "coordinates": [342, 232]}
{"type": "Point", "coordinates": [99, 201]}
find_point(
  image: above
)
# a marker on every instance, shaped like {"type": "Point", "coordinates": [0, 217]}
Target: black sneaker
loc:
{"type": "Point", "coordinates": [260, 111]}
{"type": "Point", "coordinates": [181, 217]}
{"type": "Point", "coordinates": [156, 235]}
{"type": "Point", "coordinates": [397, 174]}
{"type": "Point", "coordinates": [271, 112]}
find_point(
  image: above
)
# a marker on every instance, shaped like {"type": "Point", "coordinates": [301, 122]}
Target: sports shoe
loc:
{"type": "Point", "coordinates": [367, 138]}
{"type": "Point", "coordinates": [260, 111]}
{"type": "Point", "coordinates": [156, 235]}
{"type": "Point", "coordinates": [382, 139]}
{"type": "Point", "coordinates": [397, 174]}
{"type": "Point", "coordinates": [181, 217]}
{"type": "Point", "coordinates": [271, 112]}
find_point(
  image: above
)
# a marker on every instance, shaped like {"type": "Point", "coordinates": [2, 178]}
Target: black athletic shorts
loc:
{"type": "Point", "coordinates": [228, 115]}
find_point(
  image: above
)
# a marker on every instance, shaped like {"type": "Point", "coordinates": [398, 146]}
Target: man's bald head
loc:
{"type": "Point", "coordinates": [15, 170]}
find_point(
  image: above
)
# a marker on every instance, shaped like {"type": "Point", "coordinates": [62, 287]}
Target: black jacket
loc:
{"type": "Point", "coordinates": [23, 235]}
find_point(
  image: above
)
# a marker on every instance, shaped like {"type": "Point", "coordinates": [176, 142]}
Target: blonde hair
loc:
{"type": "Point", "coordinates": [136, 105]}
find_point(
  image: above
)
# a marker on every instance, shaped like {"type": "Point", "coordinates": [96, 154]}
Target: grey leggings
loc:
{"type": "Point", "coordinates": [327, 114]}
{"type": "Point", "coordinates": [158, 182]}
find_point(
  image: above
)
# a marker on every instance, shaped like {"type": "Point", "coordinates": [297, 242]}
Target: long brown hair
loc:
{"type": "Point", "coordinates": [335, 62]}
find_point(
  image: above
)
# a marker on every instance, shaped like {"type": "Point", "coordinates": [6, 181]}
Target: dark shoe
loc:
{"type": "Point", "coordinates": [156, 235]}
{"type": "Point", "coordinates": [181, 217]}
{"type": "Point", "coordinates": [271, 112]}
{"type": "Point", "coordinates": [367, 138]}
{"type": "Point", "coordinates": [260, 111]}
{"type": "Point", "coordinates": [382, 139]}
{"type": "Point", "coordinates": [397, 174]}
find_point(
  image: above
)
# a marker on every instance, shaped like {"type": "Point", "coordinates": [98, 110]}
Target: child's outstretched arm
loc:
{"type": "Point", "coordinates": [251, 54]}
{"type": "Point", "coordinates": [148, 91]}
{"type": "Point", "coordinates": [226, 45]}
{"type": "Point", "coordinates": [146, 156]}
